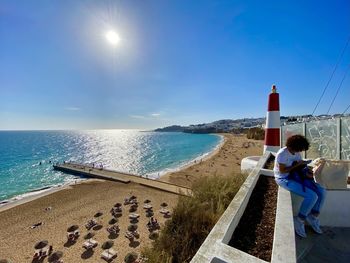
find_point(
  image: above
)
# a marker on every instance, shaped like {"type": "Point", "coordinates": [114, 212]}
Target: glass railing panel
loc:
{"type": "Point", "coordinates": [289, 130]}
{"type": "Point", "coordinates": [322, 136]}
{"type": "Point", "coordinates": [345, 138]}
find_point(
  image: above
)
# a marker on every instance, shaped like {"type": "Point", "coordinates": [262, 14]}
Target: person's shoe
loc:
{"type": "Point", "coordinates": [299, 227]}
{"type": "Point", "coordinates": [314, 222]}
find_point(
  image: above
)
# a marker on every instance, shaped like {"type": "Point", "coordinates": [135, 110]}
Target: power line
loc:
{"type": "Point", "coordinates": [336, 94]}
{"type": "Point", "coordinates": [335, 68]}
{"type": "Point", "coordinates": [345, 110]}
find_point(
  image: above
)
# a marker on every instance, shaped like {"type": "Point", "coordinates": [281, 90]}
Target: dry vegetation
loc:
{"type": "Point", "coordinates": [193, 218]}
{"type": "Point", "coordinates": [256, 134]}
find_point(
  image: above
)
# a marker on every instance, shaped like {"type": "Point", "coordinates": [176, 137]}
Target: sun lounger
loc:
{"type": "Point", "coordinates": [126, 201]}
{"type": "Point", "coordinates": [132, 234]}
{"type": "Point", "coordinates": [133, 201]}
{"type": "Point", "coordinates": [117, 210]}
{"type": "Point", "coordinates": [93, 242]}
{"type": "Point", "coordinates": [130, 200]}
{"type": "Point", "coordinates": [134, 216]}
{"type": "Point", "coordinates": [89, 244]}
{"type": "Point", "coordinates": [90, 224]}
{"type": "Point", "coordinates": [70, 236]}
{"type": "Point", "coordinates": [108, 254]}
{"type": "Point", "coordinates": [129, 235]}
{"type": "Point", "coordinates": [147, 206]}
{"type": "Point", "coordinates": [36, 255]}
{"type": "Point", "coordinates": [141, 260]}
{"type": "Point", "coordinates": [164, 211]}
{"type": "Point", "coordinates": [153, 226]}
{"type": "Point", "coordinates": [113, 229]}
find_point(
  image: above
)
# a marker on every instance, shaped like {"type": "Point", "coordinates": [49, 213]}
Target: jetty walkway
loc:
{"type": "Point", "coordinates": [89, 171]}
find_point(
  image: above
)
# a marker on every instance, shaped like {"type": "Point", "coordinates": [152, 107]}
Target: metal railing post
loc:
{"type": "Point", "coordinates": [339, 138]}
{"type": "Point", "coordinates": [304, 133]}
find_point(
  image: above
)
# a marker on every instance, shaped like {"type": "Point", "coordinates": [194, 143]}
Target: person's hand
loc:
{"type": "Point", "coordinates": [299, 163]}
{"type": "Point", "coordinates": [309, 176]}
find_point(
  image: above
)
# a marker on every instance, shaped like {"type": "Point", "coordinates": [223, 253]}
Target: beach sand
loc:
{"type": "Point", "coordinates": [224, 161]}
{"type": "Point", "coordinates": [77, 204]}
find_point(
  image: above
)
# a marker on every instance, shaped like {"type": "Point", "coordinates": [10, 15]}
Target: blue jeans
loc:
{"type": "Point", "coordinates": [313, 199]}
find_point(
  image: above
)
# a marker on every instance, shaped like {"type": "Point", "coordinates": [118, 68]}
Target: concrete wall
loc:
{"type": "Point", "coordinates": [249, 163]}
{"type": "Point", "coordinates": [284, 250]}
{"type": "Point", "coordinates": [335, 211]}
{"type": "Point", "coordinates": [215, 248]}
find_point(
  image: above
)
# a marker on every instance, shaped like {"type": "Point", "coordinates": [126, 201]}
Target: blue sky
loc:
{"type": "Point", "coordinates": [178, 62]}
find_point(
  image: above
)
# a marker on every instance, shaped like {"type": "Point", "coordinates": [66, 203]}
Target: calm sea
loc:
{"type": "Point", "coordinates": [26, 157]}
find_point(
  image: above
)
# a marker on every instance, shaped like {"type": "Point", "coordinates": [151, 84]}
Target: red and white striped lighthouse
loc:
{"type": "Point", "coordinates": [272, 129]}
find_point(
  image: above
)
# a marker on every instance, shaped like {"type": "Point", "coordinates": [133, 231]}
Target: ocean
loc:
{"type": "Point", "coordinates": [26, 157]}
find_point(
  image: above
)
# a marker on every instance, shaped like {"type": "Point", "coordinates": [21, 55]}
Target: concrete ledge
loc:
{"type": "Point", "coordinates": [249, 163]}
{"type": "Point", "coordinates": [284, 250]}
{"type": "Point", "coordinates": [215, 248]}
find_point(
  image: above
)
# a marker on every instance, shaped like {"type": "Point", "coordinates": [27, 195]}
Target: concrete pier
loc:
{"type": "Point", "coordinates": [89, 171]}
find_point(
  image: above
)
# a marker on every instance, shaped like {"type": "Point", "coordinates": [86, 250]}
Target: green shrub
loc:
{"type": "Point", "coordinates": [193, 218]}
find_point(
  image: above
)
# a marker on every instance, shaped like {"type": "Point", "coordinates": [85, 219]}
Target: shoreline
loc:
{"type": "Point", "coordinates": [203, 157]}
{"type": "Point", "coordinates": [47, 190]}
{"type": "Point", "coordinates": [225, 161]}
{"type": "Point", "coordinates": [75, 204]}
{"type": "Point", "coordinates": [36, 194]}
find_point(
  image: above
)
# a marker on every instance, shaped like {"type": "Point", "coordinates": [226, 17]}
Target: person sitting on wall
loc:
{"type": "Point", "coordinates": [288, 171]}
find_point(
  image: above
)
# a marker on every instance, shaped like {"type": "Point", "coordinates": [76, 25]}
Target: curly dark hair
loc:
{"type": "Point", "coordinates": [297, 143]}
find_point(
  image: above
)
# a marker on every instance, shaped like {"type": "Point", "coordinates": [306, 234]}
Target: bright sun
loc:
{"type": "Point", "coordinates": [112, 37]}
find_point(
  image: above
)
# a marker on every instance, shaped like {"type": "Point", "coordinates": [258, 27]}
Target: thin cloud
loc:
{"type": "Point", "coordinates": [72, 108]}
{"type": "Point", "coordinates": [155, 114]}
{"type": "Point", "coordinates": [137, 116]}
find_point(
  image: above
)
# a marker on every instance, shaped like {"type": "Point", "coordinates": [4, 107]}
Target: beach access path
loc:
{"type": "Point", "coordinates": [100, 173]}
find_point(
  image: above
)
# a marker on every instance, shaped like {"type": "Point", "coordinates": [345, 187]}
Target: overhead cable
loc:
{"type": "Point", "coordinates": [334, 70]}
{"type": "Point", "coordinates": [336, 94]}
{"type": "Point", "coordinates": [345, 110]}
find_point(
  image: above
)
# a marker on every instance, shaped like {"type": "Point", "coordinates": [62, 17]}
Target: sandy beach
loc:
{"type": "Point", "coordinates": [77, 204]}
{"type": "Point", "coordinates": [224, 161]}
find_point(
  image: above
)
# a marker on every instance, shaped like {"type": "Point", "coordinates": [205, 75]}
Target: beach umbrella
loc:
{"type": "Point", "coordinates": [98, 214]}
{"type": "Point", "coordinates": [89, 235]}
{"type": "Point", "coordinates": [132, 197]}
{"type": "Point", "coordinates": [118, 205]}
{"type": "Point", "coordinates": [72, 228]}
{"type": "Point", "coordinates": [113, 221]}
{"type": "Point", "coordinates": [108, 244]}
{"type": "Point", "coordinates": [163, 204]}
{"type": "Point", "coordinates": [132, 227]}
{"type": "Point", "coordinates": [149, 213]}
{"type": "Point", "coordinates": [130, 257]}
{"type": "Point", "coordinates": [147, 201]}
{"type": "Point", "coordinates": [41, 244]}
{"type": "Point", "coordinates": [56, 256]}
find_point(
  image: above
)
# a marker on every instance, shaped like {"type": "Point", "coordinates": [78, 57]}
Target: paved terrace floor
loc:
{"type": "Point", "coordinates": [121, 177]}
{"type": "Point", "coordinates": [332, 246]}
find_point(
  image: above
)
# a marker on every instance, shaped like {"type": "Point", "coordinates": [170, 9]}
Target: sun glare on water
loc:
{"type": "Point", "coordinates": [112, 38]}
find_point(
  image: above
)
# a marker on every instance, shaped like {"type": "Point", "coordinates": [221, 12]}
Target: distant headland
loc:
{"type": "Point", "coordinates": [239, 125]}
